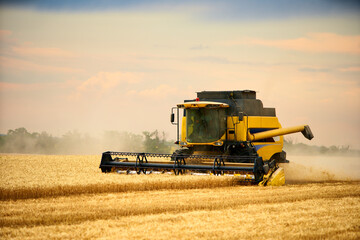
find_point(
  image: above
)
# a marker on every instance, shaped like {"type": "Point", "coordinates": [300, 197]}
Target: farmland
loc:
{"type": "Point", "coordinates": [57, 197]}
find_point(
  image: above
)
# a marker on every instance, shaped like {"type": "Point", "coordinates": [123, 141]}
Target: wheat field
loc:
{"type": "Point", "coordinates": [67, 197]}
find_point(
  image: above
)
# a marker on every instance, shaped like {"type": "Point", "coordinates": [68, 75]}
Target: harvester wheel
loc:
{"type": "Point", "coordinates": [183, 152]}
{"type": "Point", "coordinates": [217, 164]}
{"type": "Point", "coordinates": [177, 164]}
{"type": "Point", "coordinates": [140, 159]}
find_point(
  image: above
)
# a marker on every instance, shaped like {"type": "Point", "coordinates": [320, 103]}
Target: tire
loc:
{"type": "Point", "coordinates": [183, 151]}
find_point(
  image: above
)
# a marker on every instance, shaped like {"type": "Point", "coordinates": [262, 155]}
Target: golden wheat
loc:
{"type": "Point", "coordinates": [35, 176]}
{"type": "Point", "coordinates": [57, 197]}
{"type": "Point", "coordinates": [336, 207]}
{"type": "Point", "coordinates": [104, 206]}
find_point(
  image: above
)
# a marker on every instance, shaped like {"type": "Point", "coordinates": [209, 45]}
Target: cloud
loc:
{"type": "Point", "coordinates": [159, 92]}
{"type": "Point", "coordinates": [214, 59]}
{"type": "Point", "coordinates": [312, 42]}
{"type": "Point", "coordinates": [42, 52]}
{"type": "Point", "coordinates": [20, 56]}
{"type": "Point", "coordinates": [21, 48]}
{"type": "Point", "coordinates": [6, 37]}
{"type": "Point", "coordinates": [353, 93]}
{"type": "Point", "coordinates": [31, 87]}
{"type": "Point", "coordinates": [350, 69]}
{"type": "Point", "coordinates": [313, 70]}
{"type": "Point", "coordinates": [4, 33]}
{"type": "Point", "coordinates": [199, 47]}
{"type": "Point", "coordinates": [105, 81]}
{"type": "Point", "coordinates": [23, 65]}
{"type": "Point", "coordinates": [6, 86]}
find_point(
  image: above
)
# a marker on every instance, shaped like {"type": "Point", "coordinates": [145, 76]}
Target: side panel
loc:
{"type": "Point", "coordinates": [263, 122]}
{"type": "Point", "coordinates": [231, 128]}
{"type": "Point", "coordinates": [266, 148]}
{"type": "Point", "coordinates": [236, 130]}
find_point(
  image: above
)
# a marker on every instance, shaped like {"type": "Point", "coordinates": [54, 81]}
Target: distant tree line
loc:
{"type": "Point", "coordinates": [73, 142]}
{"type": "Point", "coordinates": [304, 149]}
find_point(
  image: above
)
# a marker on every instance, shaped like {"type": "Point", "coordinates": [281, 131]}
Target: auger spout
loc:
{"type": "Point", "coordinates": [304, 129]}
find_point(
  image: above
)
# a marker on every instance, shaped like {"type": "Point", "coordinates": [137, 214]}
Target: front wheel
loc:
{"type": "Point", "coordinates": [183, 153]}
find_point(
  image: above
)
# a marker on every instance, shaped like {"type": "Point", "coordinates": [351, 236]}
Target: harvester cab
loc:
{"type": "Point", "coordinates": [221, 132]}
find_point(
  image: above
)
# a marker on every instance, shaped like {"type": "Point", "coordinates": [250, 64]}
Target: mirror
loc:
{"type": "Point", "coordinates": [172, 117]}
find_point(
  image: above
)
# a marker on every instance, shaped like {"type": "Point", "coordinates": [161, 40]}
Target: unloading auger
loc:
{"type": "Point", "coordinates": [222, 133]}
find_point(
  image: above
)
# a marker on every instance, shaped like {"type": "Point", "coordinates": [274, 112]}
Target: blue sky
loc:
{"type": "Point", "coordinates": [241, 9]}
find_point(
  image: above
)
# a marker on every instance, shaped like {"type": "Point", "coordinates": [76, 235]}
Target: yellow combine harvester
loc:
{"type": "Point", "coordinates": [222, 132]}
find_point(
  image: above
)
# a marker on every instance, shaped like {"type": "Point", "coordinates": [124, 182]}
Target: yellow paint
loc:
{"type": "Point", "coordinates": [274, 178]}
{"type": "Point", "coordinates": [266, 152]}
{"type": "Point", "coordinates": [275, 132]}
{"type": "Point", "coordinates": [231, 127]}
{"type": "Point", "coordinates": [202, 104]}
{"type": "Point", "coordinates": [277, 178]}
{"type": "Point", "coordinates": [183, 129]}
{"type": "Point", "coordinates": [262, 122]}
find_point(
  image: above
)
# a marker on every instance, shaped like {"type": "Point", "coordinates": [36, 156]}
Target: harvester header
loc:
{"type": "Point", "coordinates": [218, 132]}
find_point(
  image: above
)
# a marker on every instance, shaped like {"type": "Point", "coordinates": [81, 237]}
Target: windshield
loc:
{"type": "Point", "coordinates": [205, 125]}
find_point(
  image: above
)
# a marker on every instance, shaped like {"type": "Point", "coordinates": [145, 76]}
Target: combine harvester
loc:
{"type": "Point", "coordinates": [222, 133]}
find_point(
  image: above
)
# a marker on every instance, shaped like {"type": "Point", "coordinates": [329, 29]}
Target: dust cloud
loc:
{"type": "Point", "coordinates": [72, 142]}
{"type": "Point", "coordinates": [322, 168]}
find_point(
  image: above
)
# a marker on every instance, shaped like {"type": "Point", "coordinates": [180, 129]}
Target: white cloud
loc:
{"type": "Point", "coordinates": [311, 42]}
{"type": "Point", "coordinates": [159, 92]}
{"type": "Point", "coordinates": [106, 80]}
{"type": "Point", "coordinates": [19, 65]}
{"type": "Point", "coordinates": [42, 52]}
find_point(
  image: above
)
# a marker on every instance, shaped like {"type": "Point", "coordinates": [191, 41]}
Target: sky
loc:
{"type": "Point", "coordinates": [94, 66]}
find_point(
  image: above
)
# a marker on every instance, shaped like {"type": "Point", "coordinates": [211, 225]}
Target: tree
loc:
{"type": "Point", "coordinates": [46, 143]}
{"type": "Point", "coordinates": [153, 143]}
{"type": "Point", "coordinates": [122, 141]}
{"type": "Point", "coordinates": [21, 141]}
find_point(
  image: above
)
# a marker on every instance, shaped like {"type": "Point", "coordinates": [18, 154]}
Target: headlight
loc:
{"type": "Point", "coordinates": [218, 143]}
{"type": "Point", "coordinates": [183, 143]}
